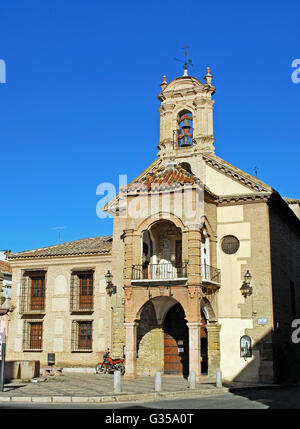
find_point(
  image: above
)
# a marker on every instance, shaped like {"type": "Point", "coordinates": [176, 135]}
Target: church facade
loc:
{"type": "Point", "coordinates": [201, 273]}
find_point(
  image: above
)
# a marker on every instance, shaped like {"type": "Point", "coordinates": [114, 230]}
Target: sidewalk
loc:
{"type": "Point", "coordinates": [91, 387]}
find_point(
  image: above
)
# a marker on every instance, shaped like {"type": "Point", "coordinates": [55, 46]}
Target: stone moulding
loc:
{"type": "Point", "coordinates": [243, 199]}
{"type": "Point", "coordinates": [238, 176]}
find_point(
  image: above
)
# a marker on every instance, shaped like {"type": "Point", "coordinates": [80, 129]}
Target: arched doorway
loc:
{"type": "Point", "coordinates": [176, 342]}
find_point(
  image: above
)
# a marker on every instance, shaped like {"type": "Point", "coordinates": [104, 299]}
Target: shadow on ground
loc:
{"type": "Point", "coordinates": [279, 398]}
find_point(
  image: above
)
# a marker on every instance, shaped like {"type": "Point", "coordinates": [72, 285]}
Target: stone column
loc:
{"type": "Point", "coordinates": [128, 256]}
{"type": "Point", "coordinates": [195, 348]}
{"type": "Point", "coordinates": [194, 255]}
{"type": "Point", "coordinates": [130, 349]}
{"type": "Point", "coordinates": [213, 348]}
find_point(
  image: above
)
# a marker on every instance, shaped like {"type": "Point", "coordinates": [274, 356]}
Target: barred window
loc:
{"type": "Point", "coordinates": [86, 291]}
{"type": "Point", "coordinates": [82, 291]}
{"type": "Point", "coordinates": [37, 293]}
{"type": "Point", "coordinates": [33, 336]}
{"type": "Point", "coordinates": [230, 244]}
{"type": "Point", "coordinates": [82, 336]}
{"type": "Point", "coordinates": [33, 289]}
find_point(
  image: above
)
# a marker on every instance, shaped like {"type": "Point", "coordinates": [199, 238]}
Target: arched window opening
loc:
{"type": "Point", "coordinates": [185, 129]}
{"type": "Point", "coordinates": [205, 255]}
{"type": "Point", "coordinates": [186, 166]}
{"type": "Point", "coordinates": [161, 253]}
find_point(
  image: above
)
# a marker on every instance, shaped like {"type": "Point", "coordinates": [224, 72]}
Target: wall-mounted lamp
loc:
{"type": "Point", "coordinates": [246, 289]}
{"type": "Point", "coordinates": [110, 287]}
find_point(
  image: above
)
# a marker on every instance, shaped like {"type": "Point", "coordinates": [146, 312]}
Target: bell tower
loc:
{"type": "Point", "coordinates": [186, 116]}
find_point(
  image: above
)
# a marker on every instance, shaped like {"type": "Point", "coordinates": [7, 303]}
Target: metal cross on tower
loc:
{"type": "Point", "coordinates": [186, 62]}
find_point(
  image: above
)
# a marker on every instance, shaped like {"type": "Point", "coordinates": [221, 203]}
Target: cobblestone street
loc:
{"type": "Point", "coordinates": [87, 384]}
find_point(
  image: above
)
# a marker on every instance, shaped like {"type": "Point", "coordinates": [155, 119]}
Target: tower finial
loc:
{"type": "Point", "coordinates": [208, 76]}
{"type": "Point", "coordinates": [186, 62]}
{"type": "Point", "coordinates": [164, 82]}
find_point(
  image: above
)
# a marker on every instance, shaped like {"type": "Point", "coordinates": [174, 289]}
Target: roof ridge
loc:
{"type": "Point", "coordinates": [58, 245]}
{"type": "Point", "coordinates": [238, 171]}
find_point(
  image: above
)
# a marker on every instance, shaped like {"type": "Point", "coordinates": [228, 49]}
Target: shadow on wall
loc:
{"type": "Point", "coordinates": [276, 360]}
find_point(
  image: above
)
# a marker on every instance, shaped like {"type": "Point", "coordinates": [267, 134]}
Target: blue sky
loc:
{"type": "Point", "coordinates": [79, 106]}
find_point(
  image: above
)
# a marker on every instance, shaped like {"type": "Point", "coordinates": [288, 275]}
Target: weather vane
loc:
{"type": "Point", "coordinates": [186, 62]}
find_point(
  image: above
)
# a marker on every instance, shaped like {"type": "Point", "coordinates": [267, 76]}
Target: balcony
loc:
{"type": "Point", "coordinates": [211, 276]}
{"type": "Point", "coordinates": [168, 272]}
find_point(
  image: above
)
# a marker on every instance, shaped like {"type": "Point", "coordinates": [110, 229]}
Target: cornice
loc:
{"type": "Point", "coordinates": [238, 176]}
{"type": "Point", "coordinates": [260, 197]}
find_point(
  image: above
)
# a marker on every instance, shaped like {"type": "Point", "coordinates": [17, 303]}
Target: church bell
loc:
{"type": "Point", "coordinates": [186, 124]}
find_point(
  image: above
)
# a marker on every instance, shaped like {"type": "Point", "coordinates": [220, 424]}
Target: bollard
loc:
{"type": "Point", "coordinates": [157, 382]}
{"type": "Point", "coordinates": [192, 380]}
{"type": "Point", "coordinates": [117, 382]}
{"type": "Point", "coordinates": [218, 379]}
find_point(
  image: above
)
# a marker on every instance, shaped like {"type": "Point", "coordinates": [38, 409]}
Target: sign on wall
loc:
{"type": "Point", "coordinates": [262, 321]}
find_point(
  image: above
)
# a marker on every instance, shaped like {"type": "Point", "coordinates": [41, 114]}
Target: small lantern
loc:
{"type": "Point", "coordinates": [246, 289]}
{"type": "Point", "coordinates": [108, 276]}
{"type": "Point", "coordinates": [247, 277]}
{"type": "Point", "coordinates": [110, 288]}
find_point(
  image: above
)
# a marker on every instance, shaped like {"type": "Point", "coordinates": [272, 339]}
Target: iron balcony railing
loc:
{"type": "Point", "coordinates": [210, 274]}
{"type": "Point", "coordinates": [169, 271]}
{"type": "Point", "coordinates": [165, 271]}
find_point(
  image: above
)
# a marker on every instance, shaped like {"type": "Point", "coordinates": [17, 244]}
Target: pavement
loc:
{"type": "Point", "coordinates": [89, 387]}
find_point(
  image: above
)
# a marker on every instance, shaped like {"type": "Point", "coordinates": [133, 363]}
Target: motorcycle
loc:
{"type": "Point", "coordinates": [109, 365]}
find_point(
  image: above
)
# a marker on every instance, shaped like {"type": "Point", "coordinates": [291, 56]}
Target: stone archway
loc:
{"type": "Point", "coordinates": [162, 338]}
{"type": "Point", "coordinates": [212, 328]}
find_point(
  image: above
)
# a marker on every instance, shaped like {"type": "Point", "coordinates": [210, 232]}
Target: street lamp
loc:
{"type": "Point", "coordinates": [110, 287]}
{"type": "Point", "coordinates": [246, 289]}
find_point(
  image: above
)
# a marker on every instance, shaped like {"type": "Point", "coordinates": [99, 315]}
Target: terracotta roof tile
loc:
{"type": "Point", "coordinates": [84, 246]}
{"type": "Point", "coordinates": [164, 176]}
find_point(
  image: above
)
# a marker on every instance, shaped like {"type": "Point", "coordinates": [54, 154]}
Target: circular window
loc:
{"type": "Point", "coordinates": [230, 244]}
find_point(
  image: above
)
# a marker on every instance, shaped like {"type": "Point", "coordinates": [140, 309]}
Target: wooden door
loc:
{"type": "Point", "coordinates": [175, 342]}
{"type": "Point", "coordinates": [173, 364]}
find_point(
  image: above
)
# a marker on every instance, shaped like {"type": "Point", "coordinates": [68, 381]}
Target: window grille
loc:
{"type": "Point", "coordinates": [32, 292]}
{"type": "Point", "coordinates": [230, 244]}
{"type": "Point", "coordinates": [82, 291]}
{"type": "Point", "coordinates": [32, 335]}
{"type": "Point", "coordinates": [82, 336]}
